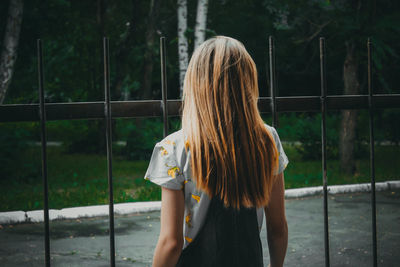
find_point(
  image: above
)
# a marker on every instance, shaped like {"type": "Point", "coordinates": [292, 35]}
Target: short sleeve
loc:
{"type": "Point", "coordinates": [283, 159]}
{"type": "Point", "coordinates": [163, 169]}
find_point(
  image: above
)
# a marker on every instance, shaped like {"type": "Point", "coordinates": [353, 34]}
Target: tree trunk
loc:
{"type": "Point", "coordinates": [10, 45]}
{"type": "Point", "coordinates": [148, 55]}
{"type": "Point", "coordinates": [201, 21]}
{"type": "Point", "coordinates": [182, 42]}
{"type": "Point", "coordinates": [349, 117]}
{"type": "Point", "coordinates": [122, 55]}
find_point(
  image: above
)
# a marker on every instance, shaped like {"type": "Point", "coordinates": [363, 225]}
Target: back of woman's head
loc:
{"type": "Point", "coordinates": [233, 155]}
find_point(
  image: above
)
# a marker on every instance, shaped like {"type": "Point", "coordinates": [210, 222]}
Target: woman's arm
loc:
{"type": "Point", "coordinates": [277, 230]}
{"type": "Point", "coordinates": [170, 241]}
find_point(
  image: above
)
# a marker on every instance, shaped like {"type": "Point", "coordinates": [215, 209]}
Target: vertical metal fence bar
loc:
{"type": "Point", "coordinates": [107, 113]}
{"type": "Point", "coordinates": [272, 79]}
{"type": "Point", "coordinates": [42, 115]}
{"type": "Point", "coordinates": [164, 85]}
{"type": "Point", "coordinates": [372, 155]}
{"type": "Point", "coordinates": [323, 137]}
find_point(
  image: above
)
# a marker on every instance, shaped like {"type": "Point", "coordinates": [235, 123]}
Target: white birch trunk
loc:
{"type": "Point", "coordinates": [201, 21]}
{"type": "Point", "coordinates": [182, 42]}
{"type": "Point", "coordinates": [10, 44]}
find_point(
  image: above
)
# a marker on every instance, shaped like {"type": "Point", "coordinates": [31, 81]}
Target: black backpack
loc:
{"type": "Point", "coordinates": [228, 237]}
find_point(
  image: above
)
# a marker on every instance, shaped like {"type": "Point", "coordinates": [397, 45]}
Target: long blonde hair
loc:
{"type": "Point", "coordinates": [233, 155]}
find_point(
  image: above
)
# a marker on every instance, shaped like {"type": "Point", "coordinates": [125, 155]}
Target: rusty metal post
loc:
{"type": "Point", "coordinates": [272, 80]}
{"type": "Point", "coordinates": [107, 114]}
{"type": "Point", "coordinates": [323, 137]}
{"type": "Point", "coordinates": [372, 154]}
{"type": "Point", "coordinates": [42, 115]}
{"type": "Point", "coordinates": [164, 103]}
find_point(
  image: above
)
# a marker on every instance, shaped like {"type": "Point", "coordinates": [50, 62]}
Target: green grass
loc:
{"type": "Point", "coordinates": [300, 173]}
{"type": "Point", "coordinates": [76, 180]}
{"type": "Point", "coordinates": [81, 179]}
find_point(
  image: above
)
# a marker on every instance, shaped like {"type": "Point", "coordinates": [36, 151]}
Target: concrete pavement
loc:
{"type": "Point", "coordinates": [85, 242]}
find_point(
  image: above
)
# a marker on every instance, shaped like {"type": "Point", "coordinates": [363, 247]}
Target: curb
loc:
{"type": "Point", "coordinates": [340, 189]}
{"type": "Point", "coordinates": [148, 206]}
{"type": "Point", "coordinates": [79, 212]}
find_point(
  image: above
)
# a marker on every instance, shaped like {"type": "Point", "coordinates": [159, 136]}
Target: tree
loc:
{"type": "Point", "coordinates": [199, 34]}
{"type": "Point", "coordinates": [349, 117]}
{"type": "Point", "coordinates": [122, 53]}
{"type": "Point", "coordinates": [148, 55]}
{"type": "Point", "coordinates": [346, 26]}
{"type": "Point", "coordinates": [182, 42]}
{"type": "Point", "coordinates": [10, 45]}
{"type": "Point", "coordinates": [201, 19]}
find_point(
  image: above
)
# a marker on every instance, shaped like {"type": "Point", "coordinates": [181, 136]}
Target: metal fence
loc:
{"type": "Point", "coordinates": [155, 108]}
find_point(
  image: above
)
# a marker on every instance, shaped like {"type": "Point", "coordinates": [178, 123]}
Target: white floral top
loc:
{"type": "Point", "coordinates": [170, 167]}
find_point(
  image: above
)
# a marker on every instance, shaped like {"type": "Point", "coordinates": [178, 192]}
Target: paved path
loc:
{"type": "Point", "coordinates": [85, 242]}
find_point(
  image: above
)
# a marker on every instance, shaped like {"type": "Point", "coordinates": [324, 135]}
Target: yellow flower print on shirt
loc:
{"type": "Point", "coordinates": [188, 239]}
{"type": "Point", "coordinates": [197, 198]}
{"type": "Point", "coordinates": [173, 171]}
{"type": "Point", "coordinates": [183, 185]}
{"type": "Point", "coordinates": [188, 220]}
{"type": "Point", "coordinates": [169, 142]}
{"type": "Point", "coordinates": [163, 151]}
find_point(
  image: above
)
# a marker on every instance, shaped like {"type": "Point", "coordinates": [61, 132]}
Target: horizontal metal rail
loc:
{"type": "Point", "coordinates": [153, 108]}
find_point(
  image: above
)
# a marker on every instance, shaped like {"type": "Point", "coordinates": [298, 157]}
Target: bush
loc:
{"type": "Point", "coordinates": [308, 131]}
{"type": "Point", "coordinates": [141, 135]}
{"type": "Point", "coordinates": [390, 123]}
{"type": "Point", "coordinates": [14, 144]}
{"type": "Point", "coordinates": [79, 136]}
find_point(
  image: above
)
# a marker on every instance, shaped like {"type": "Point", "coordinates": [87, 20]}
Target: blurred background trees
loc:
{"type": "Point", "coordinates": [72, 33]}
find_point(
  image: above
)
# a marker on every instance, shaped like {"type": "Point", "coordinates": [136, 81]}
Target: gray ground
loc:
{"type": "Point", "coordinates": [85, 242]}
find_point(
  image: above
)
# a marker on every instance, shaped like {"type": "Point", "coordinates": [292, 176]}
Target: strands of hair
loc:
{"type": "Point", "coordinates": [233, 154]}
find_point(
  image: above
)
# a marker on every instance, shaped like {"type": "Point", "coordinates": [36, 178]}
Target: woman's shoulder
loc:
{"type": "Point", "coordinates": [173, 146]}
{"type": "Point", "coordinates": [272, 130]}
{"type": "Point", "coordinates": [173, 140]}
{"type": "Point", "coordinates": [283, 159]}
{"type": "Point", "coordinates": [269, 127]}
{"type": "Point", "coordinates": [165, 166]}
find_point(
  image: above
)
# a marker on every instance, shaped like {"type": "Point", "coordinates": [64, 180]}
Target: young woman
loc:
{"type": "Point", "coordinates": [223, 170]}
